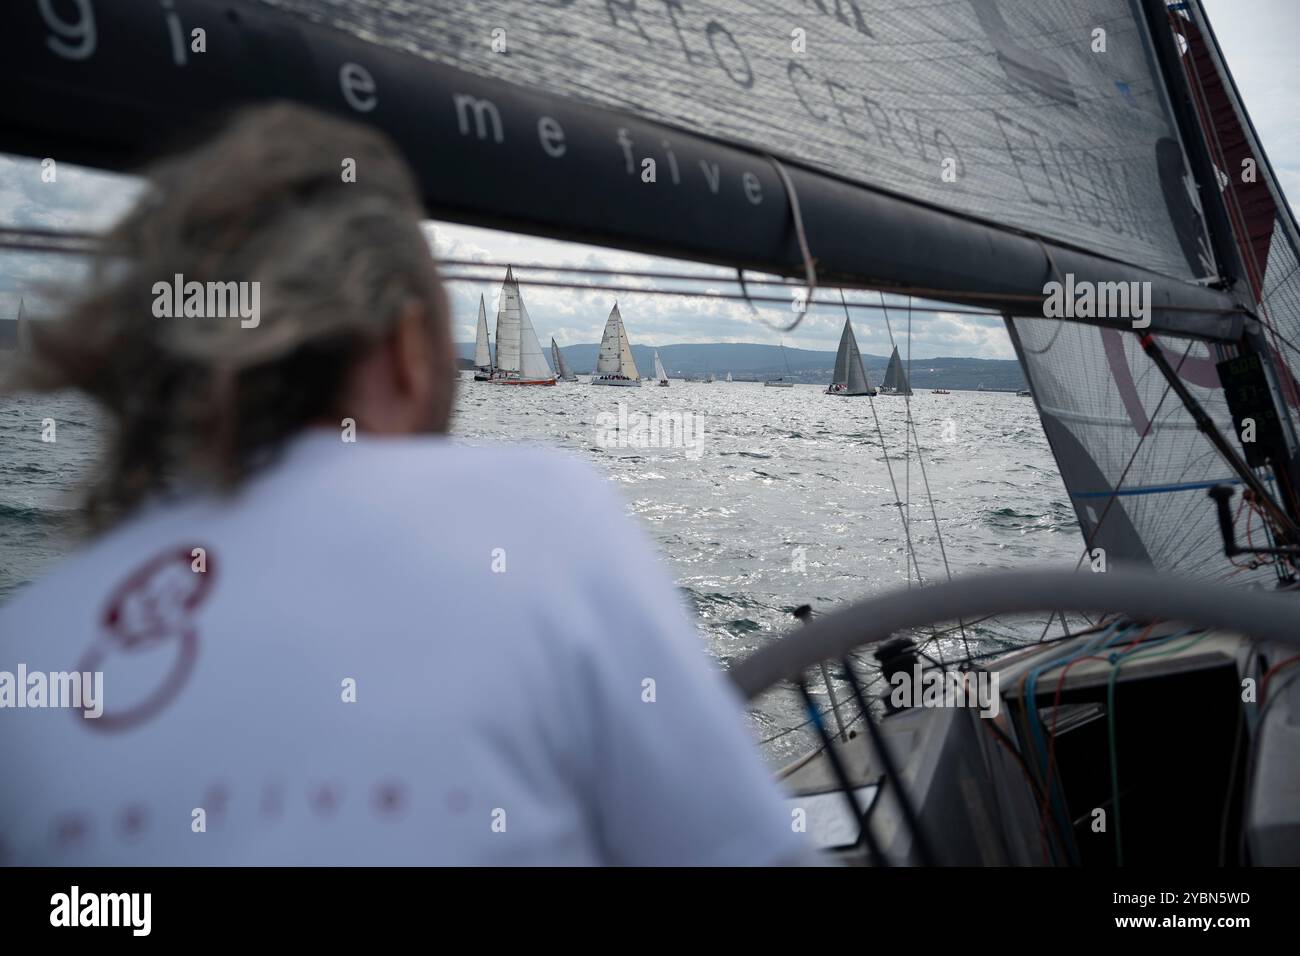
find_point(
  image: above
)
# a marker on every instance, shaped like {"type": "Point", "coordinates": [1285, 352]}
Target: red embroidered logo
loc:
{"type": "Point", "coordinates": [153, 608]}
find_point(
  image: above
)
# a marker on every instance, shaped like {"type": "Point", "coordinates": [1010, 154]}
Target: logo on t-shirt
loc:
{"type": "Point", "coordinates": [149, 624]}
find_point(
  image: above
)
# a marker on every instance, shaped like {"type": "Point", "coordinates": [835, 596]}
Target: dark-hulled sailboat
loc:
{"type": "Point", "coordinates": [561, 367]}
{"type": "Point", "coordinates": [482, 345]}
{"type": "Point", "coordinates": [895, 382]}
{"type": "Point", "coordinates": [849, 379]}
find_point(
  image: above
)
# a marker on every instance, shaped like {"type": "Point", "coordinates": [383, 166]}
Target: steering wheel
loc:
{"type": "Point", "coordinates": [1137, 594]}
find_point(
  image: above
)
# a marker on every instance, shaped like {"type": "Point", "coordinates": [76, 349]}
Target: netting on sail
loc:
{"type": "Point", "coordinates": [1139, 499]}
{"type": "Point", "coordinates": [1264, 228]}
{"type": "Point", "coordinates": [1046, 115]}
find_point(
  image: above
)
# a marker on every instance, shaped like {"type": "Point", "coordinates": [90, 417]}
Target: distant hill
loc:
{"type": "Point", "coordinates": [753, 362]}
{"type": "Point", "coordinates": [746, 361]}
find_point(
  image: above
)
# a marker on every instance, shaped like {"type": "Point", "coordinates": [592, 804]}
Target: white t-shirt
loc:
{"type": "Point", "coordinates": [398, 651]}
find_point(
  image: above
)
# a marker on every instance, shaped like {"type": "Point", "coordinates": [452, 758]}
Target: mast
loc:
{"type": "Point", "coordinates": [1191, 111]}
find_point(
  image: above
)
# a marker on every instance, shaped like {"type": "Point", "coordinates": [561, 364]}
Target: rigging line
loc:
{"type": "Point", "coordinates": [1210, 132]}
{"type": "Point", "coordinates": [687, 293]}
{"type": "Point", "coordinates": [1237, 217]}
{"type": "Point", "coordinates": [1054, 273]}
{"type": "Point", "coordinates": [809, 264]}
{"type": "Point", "coordinates": [1277, 286]}
{"type": "Point", "coordinates": [1206, 425]}
{"type": "Point", "coordinates": [1132, 458]}
{"type": "Point", "coordinates": [925, 480]}
{"type": "Point", "coordinates": [884, 451]}
{"type": "Point", "coordinates": [1114, 496]}
{"type": "Point", "coordinates": [800, 726]}
{"type": "Point", "coordinates": [939, 296]}
{"type": "Point", "coordinates": [907, 422]}
{"type": "Point", "coordinates": [740, 277]}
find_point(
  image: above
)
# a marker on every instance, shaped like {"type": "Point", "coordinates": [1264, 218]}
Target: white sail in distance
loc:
{"type": "Point", "coordinates": [615, 351]}
{"type": "Point", "coordinates": [660, 374]}
{"type": "Point", "coordinates": [482, 347]}
{"type": "Point", "coordinates": [519, 354]}
{"type": "Point", "coordinates": [561, 366]}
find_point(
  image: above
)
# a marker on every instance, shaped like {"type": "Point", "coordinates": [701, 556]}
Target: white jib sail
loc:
{"type": "Point", "coordinates": [660, 374]}
{"type": "Point", "coordinates": [626, 364]}
{"type": "Point", "coordinates": [482, 350]}
{"type": "Point", "coordinates": [532, 362]}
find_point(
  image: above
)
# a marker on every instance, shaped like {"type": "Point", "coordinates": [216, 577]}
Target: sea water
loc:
{"type": "Point", "coordinates": [783, 497]}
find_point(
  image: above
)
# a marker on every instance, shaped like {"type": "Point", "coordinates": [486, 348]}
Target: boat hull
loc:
{"type": "Point", "coordinates": [778, 384]}
{"type": "Point", "coordinates": [522, 381]}
{"type": "Point", "coordinates": [618, 382]}
{"type": "Point", "coordinates": [867, 394]}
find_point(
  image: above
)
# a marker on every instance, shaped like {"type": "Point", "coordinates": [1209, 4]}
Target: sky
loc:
{"type": "Point", "coordinates": [1258, 38]}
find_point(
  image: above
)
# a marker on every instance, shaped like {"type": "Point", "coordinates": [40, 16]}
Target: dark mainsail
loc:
{"type": "Point", "coordinates": [980, 162]}
{"type": "Point", "coordinates": [970, 151]}
{"type": "Point", "coordinates": [895, 382]}
{"type": "Point", "coordinates": [849, 376]}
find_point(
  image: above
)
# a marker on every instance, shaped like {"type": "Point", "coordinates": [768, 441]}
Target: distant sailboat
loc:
{"type": "Point", "coordinates": [849, 378]}
{"type": "Point", "coordinates": [895, 378]}
{"type": "Point", "coordinates": [24, 330]}
{"type": "Point", "coordinates": [781, 382]}
{"type": "Point", "coordinates": [519, 355]}
{"type": "Point", "coordinates": [482, 346]}
{"type": "Point", "coordinates": [615, 365]}
{"type": "Point", "coordinates": [561, 367]}
{"type": "Point", "coordinates": [728, 376]}
{"type": "Point", "coordinates": [660, 374]}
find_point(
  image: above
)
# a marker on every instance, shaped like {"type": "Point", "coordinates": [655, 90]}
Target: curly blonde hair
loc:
{"type": "Point", "coordinates": [204, 402]}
